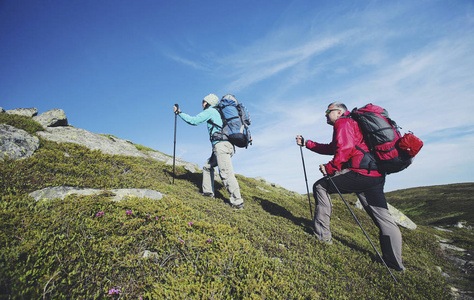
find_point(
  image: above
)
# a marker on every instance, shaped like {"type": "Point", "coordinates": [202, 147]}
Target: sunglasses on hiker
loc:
{"type": "Point", "coordinates": [330, 110]}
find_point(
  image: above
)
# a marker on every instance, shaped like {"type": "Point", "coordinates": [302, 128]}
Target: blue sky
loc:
{"type": "Point", "coordinates": [117, 67]}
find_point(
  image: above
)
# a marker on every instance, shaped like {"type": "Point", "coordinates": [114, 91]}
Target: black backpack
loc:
{"type": "Point", "coordinates": [236, 122]}
{"type": "Point", "coordinates": [392, 151]}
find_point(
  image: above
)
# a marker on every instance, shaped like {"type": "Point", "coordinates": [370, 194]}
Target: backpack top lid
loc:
{"type": "Point", "coordinates": [372, 108]}
{"type": "Point", "coordinates": [375, 125]}
{"type": "Point", "coordinates": [229, 97]}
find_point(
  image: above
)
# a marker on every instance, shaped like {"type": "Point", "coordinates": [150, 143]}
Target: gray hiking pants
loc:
{"type": "Point", "coordinates": [221, 158]}
{"type": "Point", "coordinates": [369, 190]}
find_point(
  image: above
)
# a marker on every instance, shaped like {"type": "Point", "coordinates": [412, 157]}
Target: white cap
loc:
{"type": "Point", "coordinates": [211, 99]}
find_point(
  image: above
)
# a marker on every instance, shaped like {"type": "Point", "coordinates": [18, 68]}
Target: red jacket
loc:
{"type": "Point", "coordinates": [346, 136]}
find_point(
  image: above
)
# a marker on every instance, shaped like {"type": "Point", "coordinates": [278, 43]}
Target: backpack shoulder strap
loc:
{"type": "Point", "coordinates": [219, 110]}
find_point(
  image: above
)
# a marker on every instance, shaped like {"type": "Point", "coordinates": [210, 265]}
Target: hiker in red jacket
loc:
{"type": "Point", "coordinates": [349, 169]}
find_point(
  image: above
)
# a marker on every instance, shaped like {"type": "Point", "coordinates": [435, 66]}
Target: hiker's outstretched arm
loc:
{"type": "Point", "coordinates": [326, 149]}
{"type": "Point", "coordinates": [200, 118]}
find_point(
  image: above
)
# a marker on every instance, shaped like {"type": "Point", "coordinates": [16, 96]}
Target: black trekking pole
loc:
{"type": "Point", "coordinates": [174, 148]}
{"type": "Point", "coordinates": [366, 235]}
{"type": "Point", "coordinates": [306, 179]}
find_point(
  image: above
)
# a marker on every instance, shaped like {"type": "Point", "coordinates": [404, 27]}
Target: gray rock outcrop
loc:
{"type": "Point", "coordinates": [61, 192]}
{"type": "Point", "coordinates": [107, 144]}
{"type": "Point", "coordinates": [399, 218]}
{"type": "Point", "coordinates": [189, 166]}
{"type": "Point", "coordinates": [27, 112]}
{"type": "Point", "coordinates": [93, 141]}
{"type": "Point", "coordinates": [263, 180]}
{"type": "Point", "coordinates": [52, 118]}
{"type": "Point", "coordinates": [16, 143]}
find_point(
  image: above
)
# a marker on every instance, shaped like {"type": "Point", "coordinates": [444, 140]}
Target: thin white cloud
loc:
{"type": "Point", "coordinates": [194, 64]}
{"type": "Point", "coordinates": [421, 87]}
{"type": "Point", "coordinates": [267, 62]}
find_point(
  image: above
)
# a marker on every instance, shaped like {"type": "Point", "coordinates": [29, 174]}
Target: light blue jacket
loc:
{"type": "Point", "coordinates": [210, 114]}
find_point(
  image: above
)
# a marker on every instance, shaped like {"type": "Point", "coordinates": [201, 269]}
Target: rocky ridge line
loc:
{"type": "Point", "coordinates": [18, 144]}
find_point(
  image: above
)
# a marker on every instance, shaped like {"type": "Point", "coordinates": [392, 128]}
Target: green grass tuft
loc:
{"type": "Point", "coordinates": [21, 122]}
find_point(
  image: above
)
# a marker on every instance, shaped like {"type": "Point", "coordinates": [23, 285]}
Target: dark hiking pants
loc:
{"type": "Point", "coordinates": [369, 190]}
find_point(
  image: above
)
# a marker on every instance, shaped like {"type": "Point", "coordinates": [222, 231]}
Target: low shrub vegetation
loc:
{"type": "Point", "coordinates": [20, 122]}
{"type": "Point", "coordinates": [186, 246]}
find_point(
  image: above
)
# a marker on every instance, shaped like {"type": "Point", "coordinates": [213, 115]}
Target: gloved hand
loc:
{"type": "Point", "coordinates": [300, 140]}
{"type": "Point", "coordinates": [176, 109]}
{"type": "Point", "coordinates": [322, 168]}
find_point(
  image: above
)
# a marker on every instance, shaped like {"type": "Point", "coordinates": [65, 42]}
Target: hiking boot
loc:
{"type": "Point", "coordinates": [238, 206]}
{"type": "Point", "coordinates": [400, 270]}
{"type": "Point", "coordinates": [395, 268]}
{"type": "Point", "coordinates": [211, 195]}
{"type": "Point", "coordinates": [326, 241]}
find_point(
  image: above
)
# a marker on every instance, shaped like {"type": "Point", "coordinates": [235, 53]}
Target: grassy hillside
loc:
{"type": "Point", "coordinates": [199, 248]}
{"type": "Point", "coordinates": [448, 211]}
{"type": "Point", "coordinates": [437, 205]}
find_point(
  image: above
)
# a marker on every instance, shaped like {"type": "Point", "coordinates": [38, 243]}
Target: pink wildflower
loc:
{"type": "Point", "coordinates": [129, 212]}
{"type": "Point", "coordinates": [190, 223]}
{"type": "Point", "coordinates": [208, 240]}
{"type": "Point", "coordinates": [114, 291]}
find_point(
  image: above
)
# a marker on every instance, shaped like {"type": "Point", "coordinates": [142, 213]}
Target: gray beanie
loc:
{"type": "Point", "coordinates": [212, 99]}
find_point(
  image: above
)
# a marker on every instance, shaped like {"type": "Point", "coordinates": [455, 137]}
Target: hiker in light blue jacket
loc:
{"type": "Point", "coordinates": [222, 151]}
